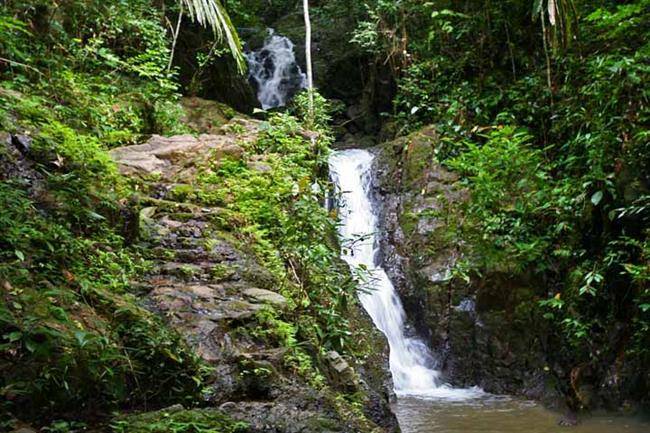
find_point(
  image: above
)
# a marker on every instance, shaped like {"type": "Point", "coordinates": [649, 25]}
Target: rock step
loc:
{"type": "Point", "coordinates": [207, 271]}
{"type": "Point", "coordinates": [195, 302]}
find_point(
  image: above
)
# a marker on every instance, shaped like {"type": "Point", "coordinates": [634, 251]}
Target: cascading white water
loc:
{"type": "Point", "coordinates": [411, 362]}
{"type": "Point", "coordinates": [274, 71]}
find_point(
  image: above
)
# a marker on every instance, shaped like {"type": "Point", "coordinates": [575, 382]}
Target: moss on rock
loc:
{"type": "Point", "coordinates": [179, 420]}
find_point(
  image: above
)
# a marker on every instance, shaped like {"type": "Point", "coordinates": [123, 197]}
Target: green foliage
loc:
{"type": "Point", "coordinates": [548, 128]}
{"type": "Point", "coordinates": [280, 198]}
{"type": "Point", "coordinates": [562, 21]}
{"type": "Point", "coordinates": [211, 13]}
{"type": "Point", "coordinates": [96, 67]}
{"type": "Point", "coordinates": [323, 111]}
{"type": "Point", "coordinates": [71, 335]}
{"type": "Point", "coordinates": [510, 195]}
{"type": "Point", "coordinates": [78, 78]}
{"type": "Point", "coordinates": [274, 328]}
{"type": "Point", "coordinates": [179, 421]}
{"type": "Point", "coordinates": [252, 13]}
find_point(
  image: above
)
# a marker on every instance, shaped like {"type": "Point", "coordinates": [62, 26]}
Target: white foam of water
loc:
{"type": "Point", "coordinates": [274, 70]}
{"type": "Point", "coordinates": [411, 362]}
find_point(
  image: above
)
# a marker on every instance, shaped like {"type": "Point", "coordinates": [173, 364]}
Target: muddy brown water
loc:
{"type": "Point", "coordinates": [501, 415]}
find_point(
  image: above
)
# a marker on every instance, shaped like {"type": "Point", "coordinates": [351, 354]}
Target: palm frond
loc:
{"type": "Point", "coordinates": [211, 13]}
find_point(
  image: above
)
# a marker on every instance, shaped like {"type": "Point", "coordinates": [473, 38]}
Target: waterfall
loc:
{"type": "Point", "coordinates": [411, 362]}
{"type": "Point", "coordinates": [274, 72]}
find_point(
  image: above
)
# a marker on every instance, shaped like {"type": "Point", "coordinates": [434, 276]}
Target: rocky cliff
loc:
{"type": "Point", "coordinates": [484, 333]}
{"type": "Point", "coordinates": [209, 285]}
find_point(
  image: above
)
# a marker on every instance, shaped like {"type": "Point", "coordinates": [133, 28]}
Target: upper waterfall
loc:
{"type": "Point", "coordinates": [411, 362]}
{"type": "Point", "coordinates": [274, 71]}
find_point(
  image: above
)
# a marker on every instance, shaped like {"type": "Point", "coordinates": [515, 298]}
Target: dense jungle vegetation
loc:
{"type": "Point", "coordinates": [540, 105]}
{"type": "Point", "coordinates": [543, 108]}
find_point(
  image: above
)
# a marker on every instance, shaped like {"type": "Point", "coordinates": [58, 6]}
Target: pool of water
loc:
{"type": "Point", "coordinates": [493, 414]}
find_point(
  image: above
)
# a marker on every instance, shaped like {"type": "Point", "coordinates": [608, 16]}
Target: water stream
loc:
{"type": "Point", "coordinates": [411, 362]}
{"type": "Point", "coordinates": [499, 414]}
{"type": "Point", "coordinates": [274, 72]}
{"type": "Point", "coordinates": [425, 403]}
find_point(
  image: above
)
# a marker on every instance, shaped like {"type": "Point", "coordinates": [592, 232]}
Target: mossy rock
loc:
{"type": "Point", "coordinates": [178, 419]}
{"type": "Point", "coordinates": [181, 192]}
{"type": "Point", "coordinates": [205, 116]}
{"type": "Point", "coordinates": [223, 272]}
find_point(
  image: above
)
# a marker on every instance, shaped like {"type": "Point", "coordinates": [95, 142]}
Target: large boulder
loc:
{"type": "Point", "coordinates": [175, 156]}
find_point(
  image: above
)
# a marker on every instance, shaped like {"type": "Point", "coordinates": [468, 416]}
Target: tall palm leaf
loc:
{"type": "Point", "coordinates": [211, 13]}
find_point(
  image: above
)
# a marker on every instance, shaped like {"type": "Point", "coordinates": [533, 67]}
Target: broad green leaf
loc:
{"type": "Point", "coordinates": [597, 197]}
{"type": "Point", "coordinates": [14, 336]}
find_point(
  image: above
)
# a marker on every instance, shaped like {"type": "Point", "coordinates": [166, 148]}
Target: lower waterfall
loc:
{"type": "Point", "coordinates": [411, 362]}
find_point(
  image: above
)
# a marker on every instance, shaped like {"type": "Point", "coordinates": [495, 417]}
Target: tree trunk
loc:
{"type": "Point", "coordinates": [175, 36]}
{"type": "Point", "coordinates": [310, 74]}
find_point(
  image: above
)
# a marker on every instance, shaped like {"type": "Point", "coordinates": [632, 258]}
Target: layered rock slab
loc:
{"type": "Point", "coordinates": [211, 288]}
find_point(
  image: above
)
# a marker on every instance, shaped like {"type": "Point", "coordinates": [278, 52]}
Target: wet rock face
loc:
{"type": "Point", "coordinates": [219, 80]}
{"type": "Point", "coordinates": [14, 162]}
{"type": "Point", "coordinates": [484, 333]}
{"type": "Point", "coordinates": [208, 289]}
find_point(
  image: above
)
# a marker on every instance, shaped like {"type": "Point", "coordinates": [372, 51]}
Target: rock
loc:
{"type": "Point", "coordinates": [168, 156]}
{"type": "Point", "coordinates": [259, 167]}
{"type": "Point", "coordinates": [228, 406]}
{"type": "Point", "coordinates": [159, 153]}
{"type": "Point", "coordinates": [205, 116]}
{"type": "Point", "coordinates": [259, 276]}
{"type": "Point", "coordinates": [222, 81]}
{"type": "Point", "coordinates": [205, 292]}
{"type": "Point", "coordinates": [568, 420]}
{"type": "Point", "coordinates": [181, 270]}
{"type": "Point", "coordinates": [299, 415]}
{"type": "Point", "coordinates": [480, 330]}
{"type": "Point", "coordinates": [147, 225]}
{"type": "Point", "coordinates": [209, 286]}
{"type": "Point", "coordinates": [238, 310]}
{"type": "Point", "coordinates": [266, 297]}
{"type": "Point", "coordinates": [308, 135]}
{"type": "Point", "coordinates": [345, 375]}
{"type": "Point", "coordinates": [18, 166]}
{"type": "Point", "coordinates": [173, 408]}
{"type": "Point", "coordinates": [337, 362]}
{"type": "Point", "coordinates": [232, 151]}
{"type": "Point", "coordinates": [24, 430]}
{"type": "Point", "coordinates": [22, 142]}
